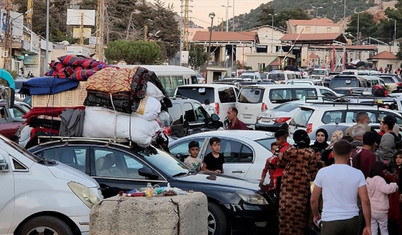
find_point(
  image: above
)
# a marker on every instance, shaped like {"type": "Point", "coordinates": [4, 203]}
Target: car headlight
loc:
{"type": "Point", "coordinates": [88, 197]}
{"type": "Point", "coordinates": [252, 198]}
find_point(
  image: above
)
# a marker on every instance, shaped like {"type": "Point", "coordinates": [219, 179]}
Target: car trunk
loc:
{"type": "Point", "coordinates": [250, 104]}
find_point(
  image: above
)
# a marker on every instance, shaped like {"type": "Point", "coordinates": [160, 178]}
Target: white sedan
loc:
{"type": "Point", "coordinates": [245, 151]}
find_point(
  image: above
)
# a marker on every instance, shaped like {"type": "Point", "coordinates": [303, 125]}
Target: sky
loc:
{"type": "Point", "coordinates": [201, 9]}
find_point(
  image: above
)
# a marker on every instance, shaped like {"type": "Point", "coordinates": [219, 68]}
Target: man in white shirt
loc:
{"type": "Point", "coordinates": [340, 184]}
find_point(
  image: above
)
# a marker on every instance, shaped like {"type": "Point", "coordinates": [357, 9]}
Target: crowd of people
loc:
{"type": "Point", "coordinates": [348, 182]}
{"type": "Point", "coordinates": [352, 182]}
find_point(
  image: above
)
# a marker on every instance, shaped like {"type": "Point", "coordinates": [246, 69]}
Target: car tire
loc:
{"type": "Point", "coordinates": [217, 224]}
{"type": "Point", "coordinates": [44, 225]}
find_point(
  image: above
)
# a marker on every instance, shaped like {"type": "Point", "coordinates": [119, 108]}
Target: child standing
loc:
{"type": "Point", "coordinates": [378, 191]}
{"type": "Point", "coordinates": [192, 160]}
{"type": "Point", "coordinates": [394, 212]}
{"type": "Point", "coordinates": [213, 161]}
{"type": "Point", "coordinates": [265, 182]}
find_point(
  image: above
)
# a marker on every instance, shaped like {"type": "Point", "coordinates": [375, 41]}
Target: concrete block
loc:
{"type": "Point", "coordinates": [182, 214]}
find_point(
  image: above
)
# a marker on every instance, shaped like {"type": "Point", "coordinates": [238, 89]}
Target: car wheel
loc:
{"type": "Point", "coordinates": [45, 225]}
{"type": "Point", "coordinates": [216, 220]}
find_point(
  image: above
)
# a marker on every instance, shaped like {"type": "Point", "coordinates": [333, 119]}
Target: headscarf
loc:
{"type": "Point", "coordinates": [301, 139]}
{"type": "Point", "coordinates": [321, 146]}
{"type": "Point", "coordinates": [337, 135]}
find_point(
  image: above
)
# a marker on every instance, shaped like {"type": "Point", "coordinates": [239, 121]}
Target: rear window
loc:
{"type": "Point", "coordinates": [280, 95]}
{"type": "Point", "coordinates": [251, 95]}
{"type": "Point", "coordinates": [276, 76]}
{"type": "Point", "coordinates": [301, 117]}
{"type": "Point", "coordinates": [344, 82]}
{"type": "Point", "coordinates": [266, 143]}
{"type": "Point", "coordinates": [227, 95]}
{"type": "Point", "coordinates": [197, 93]}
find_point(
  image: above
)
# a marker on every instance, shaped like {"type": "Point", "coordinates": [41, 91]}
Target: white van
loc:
{"type": "Point", "coordinates": [43, 197]}
{"type": "Point", "coordinates": [255, 99]}
{"type": "Point", "coordinates": [281, 77]}
{"type": "Point", "coordinates": [251, 76]}
{"type": "Point", "coordinates": [220, 96]}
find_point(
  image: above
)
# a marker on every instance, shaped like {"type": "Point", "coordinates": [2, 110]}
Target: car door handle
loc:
{"type": "Point", "coordinates": [238, 171]}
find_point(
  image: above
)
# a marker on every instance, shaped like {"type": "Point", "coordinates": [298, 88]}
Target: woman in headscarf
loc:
{"type": "Point", "coordinates": [321, 138]}
{"type": "Point", "coordinates": [300, 167]}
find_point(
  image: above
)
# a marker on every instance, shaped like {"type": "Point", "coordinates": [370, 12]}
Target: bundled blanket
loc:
{"type": "Point", "coordinates": [47, 85]}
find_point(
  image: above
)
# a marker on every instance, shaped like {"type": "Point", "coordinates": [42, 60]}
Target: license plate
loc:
{"type": "Point", "coordinates": [247, 116]}
{"type": "Point", "coordinates": [266, 119]}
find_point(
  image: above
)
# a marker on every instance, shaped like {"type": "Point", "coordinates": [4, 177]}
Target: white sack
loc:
{"type": "Point", "coordinates": [148, 109]}
{"type": "Point", "coordinates": [24, 135]}
{"type": "Point", "coordinates": [154, 91]}
{"type": "Point", "coordinates": [104, 123]}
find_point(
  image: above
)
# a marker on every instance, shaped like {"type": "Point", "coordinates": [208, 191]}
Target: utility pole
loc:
{"type": "Point", "coordinates": [30, 13]}
{"type": "Point", "coordinates": [233, 20]}
{"type": "Point", "coordinates": [185, 24]}
{"type": "Point", "coordinates": [7, 38]}
{"type": "Point", "coordinates": [82, 30]}
{"type": "Point", "coordinates": [99, 30]}
{"type": "Point", "coordinates": [227, 15]}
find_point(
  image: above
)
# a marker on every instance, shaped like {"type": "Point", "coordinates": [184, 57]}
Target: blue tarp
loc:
{"type": "Point", "coordinates": [47, 85]}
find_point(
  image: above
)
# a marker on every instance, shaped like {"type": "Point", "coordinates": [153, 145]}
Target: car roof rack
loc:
{"type": "Point", "coordinates": [119, 141]}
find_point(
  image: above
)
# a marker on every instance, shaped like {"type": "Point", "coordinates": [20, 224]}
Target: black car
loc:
{"type": "Point", "coordinates": [188, 116]}
{"type": "Point", "coordinates": [234, 205]}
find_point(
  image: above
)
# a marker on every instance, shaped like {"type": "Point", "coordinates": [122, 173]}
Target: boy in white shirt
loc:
{"type": "Point", "coordinates": [340, 184]}
{"type": "Point", "coordinates": [192, 160]}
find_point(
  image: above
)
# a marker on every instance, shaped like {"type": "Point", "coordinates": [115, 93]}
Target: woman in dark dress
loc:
{"type": "Point", "coordinates": [300, 167]}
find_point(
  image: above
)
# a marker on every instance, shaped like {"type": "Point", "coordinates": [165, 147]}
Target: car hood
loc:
{"type": "Point", "coordinates": [222, 181]}
{"type": "Point", "coordinates": [62, 171]}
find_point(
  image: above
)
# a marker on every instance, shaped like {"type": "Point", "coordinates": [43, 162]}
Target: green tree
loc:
{"type": "Point", "coordinates": [197, 56]}
{"type": "Point", "coordinates": [133, 52]}
{"type": "Point", "coordinates": [367, 25]}
{"type": "Point", "coordinates": [264, 18]}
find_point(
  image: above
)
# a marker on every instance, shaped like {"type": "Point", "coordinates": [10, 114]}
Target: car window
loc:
{"type": "Point", "coordinates": [280, 95]}
{"type": "Point", "coordinates": [176, 112]}
{"type": "Point", "coordinates": [74, 156]}
{"type": "Point", "coordinates": [350, 116]}
{"type": "Point", "coordinates": [301, 117]}
{"type": "Point", "coordinates": [251, 95]}
{"type": "Point", "coordinates": [227, 95]}
{"type": "Point", "coordinates": [344, 82]}
{"type": "Point", "coordinates": [116, 164]}
{"type": "Point", "coordinates": [266, 143]}
{"type": "Point", "coordinates": [234, 151]}
{"type": "Point", "coordinates": [332, 116]}
{"type": "Point", "coordinates": [276, 76]}
{"type": "Point", "coordinates": [200, 113]}
{"type": "Point", "coordinates": [181, 149]}
{"type": "Point", "coordinates": [382, 114]}
{"type": "Point", "coordinates": [388, 80]}
{"type": "Point", "coordinates": [189, 113]}
{"type": "Point", "coordinates": [197, 93]}
{"type": "Point", "coordinates": [16, 112]}
{"type": "Point", "coordinates": [327, 93]}
{"type": "Point", "coordinates": [302, 94]}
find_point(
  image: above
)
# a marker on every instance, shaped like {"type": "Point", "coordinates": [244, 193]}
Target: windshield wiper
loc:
{"type": "Point", "coordinates": [180, 174]}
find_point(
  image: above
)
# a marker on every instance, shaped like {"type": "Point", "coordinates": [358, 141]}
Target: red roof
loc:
{"type": "Point", "coordinates": [225, 36]}
{"type": "Point", "coordinates": [385, 55]}
{"type": "Point", "coordinates": [313, 37]}
{"type": "Point", "coordinates": [313, 22]}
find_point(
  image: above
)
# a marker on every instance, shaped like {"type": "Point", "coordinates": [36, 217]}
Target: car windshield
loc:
{"type": "Point", "coordinates": [164, 162]}
{"type": "Point", "coordinates": [301, 117]}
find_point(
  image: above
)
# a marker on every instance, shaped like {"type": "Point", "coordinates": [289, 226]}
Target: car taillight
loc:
{"type": "Point", "coordinates": [217, 108]}
{"type": "Point", "coordinates": [264, 107]}
{"type": "Point", "coordinates": [167, 130]}
{"type": "Point", "coordinates": [309, 128]}
{"type": "Point", "coordinates": [399, 83]}
{"type": "Point", "coordinates": [281, 119]}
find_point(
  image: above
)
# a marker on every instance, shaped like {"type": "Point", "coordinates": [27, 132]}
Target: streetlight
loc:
{"type": "Point", "coordinates": [316, 10]}
{"type": "Point", "coordinates": [211, 15]}
{"type": "Point", "coordinates": [272, 31]}
{"type": "Point", "coordinates": [358, 28]}
{"type": "Point", "coordinates": [47, 35]}
{"type": "Point", "coordinates": [227, 15]}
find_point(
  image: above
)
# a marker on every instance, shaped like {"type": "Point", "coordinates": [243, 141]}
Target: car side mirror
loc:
{"type": "Point", "coordinates": [148, 173]}
{"type": "Point", "coordinates": [3, 164]}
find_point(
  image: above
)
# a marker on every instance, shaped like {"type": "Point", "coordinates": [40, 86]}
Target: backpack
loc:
{"type": "Point", "coordinates": [397, 139]}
